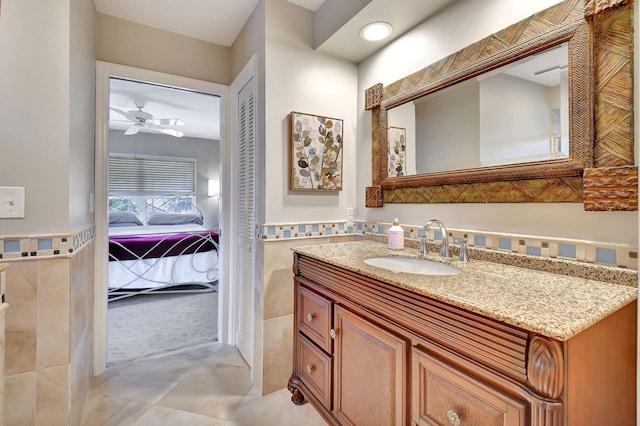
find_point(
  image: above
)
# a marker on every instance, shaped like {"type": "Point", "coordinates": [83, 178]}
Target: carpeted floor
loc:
{"type": "Point", "coordinates": [147, 325]}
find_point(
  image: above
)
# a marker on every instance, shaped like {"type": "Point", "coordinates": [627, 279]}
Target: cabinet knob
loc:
{"type": "Point", "coordinates": [453, 417]}
{"type": "Point", "coordinates": [309, 369]}
{"type": "Point", "coordinates": [332, 333]}
{"type": "Point", "coordinates": [310, 317]}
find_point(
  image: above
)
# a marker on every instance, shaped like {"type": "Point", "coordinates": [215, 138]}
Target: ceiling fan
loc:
{"type": "Point", "coordinates": [143, 120]}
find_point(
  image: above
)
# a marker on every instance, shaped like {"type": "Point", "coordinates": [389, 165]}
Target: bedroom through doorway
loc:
{"type": "Point", "coordinates": [163, 213]}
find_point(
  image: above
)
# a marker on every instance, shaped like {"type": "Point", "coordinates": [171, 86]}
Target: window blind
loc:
{"type": "Point", "coordinates": [152, 175]}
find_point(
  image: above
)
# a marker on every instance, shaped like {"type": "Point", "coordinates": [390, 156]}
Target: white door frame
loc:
{"type": "Point", "coordinates": [104, 71]}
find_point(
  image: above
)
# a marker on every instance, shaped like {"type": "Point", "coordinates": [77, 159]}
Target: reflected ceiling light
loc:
{"type": "Point", "coordinates": [376, 31]}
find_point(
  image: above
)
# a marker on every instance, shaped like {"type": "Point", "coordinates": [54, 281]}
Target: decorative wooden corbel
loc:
{"type": "Point", "coordinates": [593, 7]}
{"type": "Point", "coordinates": [545, 368]}
{"type": "Point", "coordinates": [613, 182]}
{"type": "Point", "coordinates": [373, 96]}
{"type": "Point", "coordinates": [611, 188]}
{"type": "Point", "coordinates": [373, 197]}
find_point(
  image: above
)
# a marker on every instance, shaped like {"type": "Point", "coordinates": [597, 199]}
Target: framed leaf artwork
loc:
{"type": "Point", "coordinates": [315, 153]}
{"type": "Point", "coordinates": [396, 160]}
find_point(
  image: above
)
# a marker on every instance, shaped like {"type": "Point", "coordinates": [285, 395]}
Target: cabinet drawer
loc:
{"type": "Point", "coordinates": [315, 370]}
{"type": "Point", "coordinates": [443, 395]}
{"type": "Point", "coordinates": [314, 318]}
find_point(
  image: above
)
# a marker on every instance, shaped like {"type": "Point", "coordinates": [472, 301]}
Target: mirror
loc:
{"type": "Point", "coordinates": [516, 113]}
{"type": "Point", "coordinates": [544, 166]}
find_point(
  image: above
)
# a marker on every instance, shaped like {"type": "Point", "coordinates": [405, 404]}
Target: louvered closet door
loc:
{"type": "Point", "coordinates": [244, 259]}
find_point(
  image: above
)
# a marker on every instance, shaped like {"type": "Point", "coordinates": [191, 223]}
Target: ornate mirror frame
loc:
{"type": "Point", "coordinates": [600, 170]}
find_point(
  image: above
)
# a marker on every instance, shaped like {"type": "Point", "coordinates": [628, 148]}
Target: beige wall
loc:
{"type": "Point", "coordinates": [82, 63]}
{"type": "Point", "coordinates": [46, 118]}
{"type": "Point", "coordinates": [298, 78]}
{"type": "Point", "coordinates": [128, 43]}
{"type": "Point", "coordinates": [250, 41]}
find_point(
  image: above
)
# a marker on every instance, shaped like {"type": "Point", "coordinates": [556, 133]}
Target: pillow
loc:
{"type": "Point", "coordinates": [123, 219]}
{"type": "Point", "coordinates": [123, 224]}
{"type": "Point", "coordinates": [174, 219]}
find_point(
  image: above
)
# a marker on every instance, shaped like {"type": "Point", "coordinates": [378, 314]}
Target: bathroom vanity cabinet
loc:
{"type": "Point", "coordinates": [368, 352]}
{"type": "Point", "coordinates": [370, 361]}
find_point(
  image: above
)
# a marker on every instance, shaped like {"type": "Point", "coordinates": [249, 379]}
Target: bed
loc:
{"type": "Point", "coordinates": [159, 249]}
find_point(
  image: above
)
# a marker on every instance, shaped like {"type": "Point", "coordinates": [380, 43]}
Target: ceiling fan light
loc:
{"type": "Point", "coordinates": [168, 122]}
{"type": "Point", "coordinates": [376, 31]}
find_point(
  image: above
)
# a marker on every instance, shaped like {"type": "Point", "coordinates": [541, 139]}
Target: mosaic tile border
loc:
{"type": "Point", "coordinates": [38, 246]}
{"type": "Point", "coordinates": [624, 256]}
{"type": "Point", "coordinates": [306, 230]}
{"type": "Point", "coordinates": [607, 254]}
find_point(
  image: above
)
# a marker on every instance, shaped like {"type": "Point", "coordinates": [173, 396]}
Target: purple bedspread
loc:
{"type": "Point", "coordinates": [161, 245]}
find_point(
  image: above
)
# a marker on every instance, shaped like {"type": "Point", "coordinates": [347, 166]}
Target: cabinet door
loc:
{"type": "Point", "coordinates": [443, 395]}
{"type": "Point", "coordinates": [370, 373]}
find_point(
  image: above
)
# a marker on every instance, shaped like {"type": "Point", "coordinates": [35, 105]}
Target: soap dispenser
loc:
{"type": "Point", "coordinates": [396, 236]}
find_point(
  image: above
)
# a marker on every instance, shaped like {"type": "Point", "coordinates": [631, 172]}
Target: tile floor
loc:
{"type": "Point", "coordinates": [205, 385]}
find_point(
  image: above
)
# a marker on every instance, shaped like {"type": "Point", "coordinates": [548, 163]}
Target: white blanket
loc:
{"type": "Point", "coordinates": [196, 268]}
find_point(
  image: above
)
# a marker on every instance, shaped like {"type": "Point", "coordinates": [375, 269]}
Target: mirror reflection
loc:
{"type": "Point", "coordinates": [518, 113]}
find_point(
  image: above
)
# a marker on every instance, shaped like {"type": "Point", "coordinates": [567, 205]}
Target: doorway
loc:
{"type": "Point", "coordinates": [105, 73]}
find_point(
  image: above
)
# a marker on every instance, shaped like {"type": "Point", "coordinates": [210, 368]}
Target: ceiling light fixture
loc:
{"type": "Point", "coordinates": [376, 31]}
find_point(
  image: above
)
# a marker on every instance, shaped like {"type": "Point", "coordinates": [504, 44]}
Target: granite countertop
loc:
{"type": "Point", "coordinates": [553, 305]}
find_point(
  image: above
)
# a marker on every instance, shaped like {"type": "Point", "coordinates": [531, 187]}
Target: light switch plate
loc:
{"type": "Point", "coordinates": [350, 216]}
{"type": "Point", "coordinates": [12, 202]}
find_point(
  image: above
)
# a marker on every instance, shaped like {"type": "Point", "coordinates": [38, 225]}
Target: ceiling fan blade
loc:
{"type": "Point", "coordinates": [121, 112]}
{"type": "Point", "coordinates": [166, 130]}
{"type": "Point", "coordinates": [167, 122]}
{"type": "Point", "coordinates": [172, 132]}
{"type": "Point", "coordinates": [132, 130]}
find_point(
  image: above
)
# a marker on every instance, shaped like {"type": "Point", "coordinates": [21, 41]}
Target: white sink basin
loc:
{"type": "Point", "coordinates": [412, 265]}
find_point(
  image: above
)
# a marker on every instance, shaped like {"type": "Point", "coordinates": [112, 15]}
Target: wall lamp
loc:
{"type": "Point", "coordinates": [214, 188]}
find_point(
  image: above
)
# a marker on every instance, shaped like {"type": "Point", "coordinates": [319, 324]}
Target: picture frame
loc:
{"type": "Point", "coordinates": [397, 152]}
{"type": "Point", "coordinates": [315, 152]}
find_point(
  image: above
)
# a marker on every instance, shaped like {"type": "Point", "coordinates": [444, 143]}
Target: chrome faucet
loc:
{"type": "Point", "coordinates": [444, 249]}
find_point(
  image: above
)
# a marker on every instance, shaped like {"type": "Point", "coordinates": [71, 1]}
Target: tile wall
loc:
{"type": "Point", "coordinates": [49, 336]}
{"type": "Point", "coordinates": [275, 317]}
{"type": "Point", "coordinates": [3, 308]}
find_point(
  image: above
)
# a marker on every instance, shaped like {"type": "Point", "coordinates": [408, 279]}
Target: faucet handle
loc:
{"type": "Point", "coordinates": [462, 243]}
{"type": "Point", "coordinates": [423, 246]}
